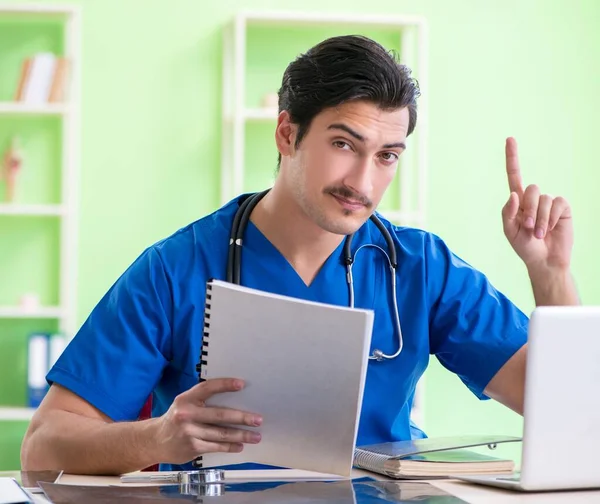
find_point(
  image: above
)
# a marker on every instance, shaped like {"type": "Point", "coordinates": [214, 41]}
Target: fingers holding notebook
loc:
{"type": "Point", "coordinates": [190, 428]}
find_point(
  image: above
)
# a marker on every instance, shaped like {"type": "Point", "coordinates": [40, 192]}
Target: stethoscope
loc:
{"type": "Point", "coordinates": [234, 260]}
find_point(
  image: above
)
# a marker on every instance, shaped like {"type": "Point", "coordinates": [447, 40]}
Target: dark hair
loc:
{"type": "Point", "coordinates": [343, 69]}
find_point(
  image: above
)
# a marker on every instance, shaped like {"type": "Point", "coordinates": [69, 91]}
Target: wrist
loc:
{"type": "Point", "coordinates": [149, 441]}
{"type": "Point", "coordinates": [553, 286]}
{"type": "Point", "coordinates": [544, 274]}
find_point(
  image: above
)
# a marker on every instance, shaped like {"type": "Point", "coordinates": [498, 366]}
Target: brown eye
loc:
{"type": "Point", "coordinates": [390, 157]}
{"type": "Point", "coordinates": [340, 144]}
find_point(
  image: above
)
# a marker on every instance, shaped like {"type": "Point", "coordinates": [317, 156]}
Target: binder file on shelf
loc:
{"type": "Point", "coordinates": [304, 364]}
{"type": "Point", "coordinates": [56, 345]}
{"type": "Point", "coordinates": [37, 368]}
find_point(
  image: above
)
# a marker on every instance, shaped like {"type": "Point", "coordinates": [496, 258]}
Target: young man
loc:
{"type": "Point", "coordinates": [346, 110]}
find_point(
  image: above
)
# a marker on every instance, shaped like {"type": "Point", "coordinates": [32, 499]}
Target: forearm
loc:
{"type": "Point", "coordinates": [77, 444]}
{"type": "Point", "coordinates": [553, 288]}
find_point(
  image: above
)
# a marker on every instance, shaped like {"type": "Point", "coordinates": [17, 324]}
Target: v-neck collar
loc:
{"type": "Point", "coordinates": [270, 253]}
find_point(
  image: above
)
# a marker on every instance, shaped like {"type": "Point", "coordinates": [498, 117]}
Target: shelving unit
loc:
{"type": "Point", "coordinates": [41, 312]}
{"type": "Point", "coordinates": [16, 414]}
{"type": "Point", "coordinates": [239, 116]}
{"type": "Point", "coordinates": [16, 108]}
{"type": "Point", "coordinates": [31, 209]}
{"type": "Point", "coordinates": [66, 210]}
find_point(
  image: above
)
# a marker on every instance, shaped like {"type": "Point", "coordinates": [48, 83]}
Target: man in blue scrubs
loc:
{"type": "Point", "coordinates": [346, 110]}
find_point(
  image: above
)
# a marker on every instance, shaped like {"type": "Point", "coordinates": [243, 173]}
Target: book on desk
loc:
{"type": "Point", "coordinates": [433, 457]}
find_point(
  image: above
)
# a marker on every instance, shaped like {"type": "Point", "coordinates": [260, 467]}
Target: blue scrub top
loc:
{"type": "Point", "coordinates": [144, 336]}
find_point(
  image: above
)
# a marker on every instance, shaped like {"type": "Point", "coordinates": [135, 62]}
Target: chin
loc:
{"type": "Point", "coordinates": [345, 225]}
{"type": "Point", "coordinates": [335, 220]}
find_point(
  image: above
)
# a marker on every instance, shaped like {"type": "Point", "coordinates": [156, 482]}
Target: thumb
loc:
{"type": "Point", "coordinates": [509, 215]}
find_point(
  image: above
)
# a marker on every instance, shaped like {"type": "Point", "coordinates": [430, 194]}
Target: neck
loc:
{"type": "Point", "coordinates": [303, 243]}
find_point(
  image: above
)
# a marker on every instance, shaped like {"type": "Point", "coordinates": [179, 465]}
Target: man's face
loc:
{"type": "Point", "coordinates": [345, 163]}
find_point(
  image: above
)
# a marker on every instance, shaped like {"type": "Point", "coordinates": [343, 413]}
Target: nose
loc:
{"type": "Point", "coordinates": [360, 176]}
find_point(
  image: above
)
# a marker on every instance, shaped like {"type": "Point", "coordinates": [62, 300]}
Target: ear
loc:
{"type": "Point", "coordinates": [285, 134]}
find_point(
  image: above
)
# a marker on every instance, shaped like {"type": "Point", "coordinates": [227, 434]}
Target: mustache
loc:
{"type": "Point", "coordinates": [345, 193]}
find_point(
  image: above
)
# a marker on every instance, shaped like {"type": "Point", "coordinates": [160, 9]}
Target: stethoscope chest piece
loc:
{"type": "Point", "coordinates": [203, 477]}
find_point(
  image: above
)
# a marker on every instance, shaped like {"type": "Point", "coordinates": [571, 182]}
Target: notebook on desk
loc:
{"type": "Point", "coordinates": [304, 364]}
{"type": "Point", "coordinates": [433, 457]}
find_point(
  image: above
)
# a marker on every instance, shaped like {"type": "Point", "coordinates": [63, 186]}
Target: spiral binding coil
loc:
{"type": "Point", "coordinates": [201, 366]}
{"type": "Point", "coordinates": [370, 461]}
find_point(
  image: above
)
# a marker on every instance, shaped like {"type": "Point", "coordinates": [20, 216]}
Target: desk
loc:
{"type": "Point", "coordinates": [472, 494]}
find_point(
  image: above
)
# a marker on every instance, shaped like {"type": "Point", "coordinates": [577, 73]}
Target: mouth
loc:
{"type": "Point", "coordinates": [348, 204]}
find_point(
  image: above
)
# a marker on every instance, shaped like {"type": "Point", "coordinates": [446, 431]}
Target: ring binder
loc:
{"type": "Point", "coordinates": [37, 368]}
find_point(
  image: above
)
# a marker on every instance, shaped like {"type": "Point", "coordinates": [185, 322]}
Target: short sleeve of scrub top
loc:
{"type": "Point", "coordinates": [474, 328]}
{"type": "Point", "coordinates": [131, 319]}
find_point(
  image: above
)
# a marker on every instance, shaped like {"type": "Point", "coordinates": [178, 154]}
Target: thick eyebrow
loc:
{"type": "Point", "coordinates": [361, 138]}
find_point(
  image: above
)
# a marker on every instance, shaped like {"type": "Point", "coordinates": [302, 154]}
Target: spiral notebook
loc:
{"type": "Point", "coordinates": [304, 364]}
{"type": "Point", "coordinates": [434, 457]}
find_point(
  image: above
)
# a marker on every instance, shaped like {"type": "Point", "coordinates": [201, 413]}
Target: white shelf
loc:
{"type": "Point", "coordinates": [260, 114]}
{"type": "Point", "coordinates": [51, 10]}
{"type": "Point", "coordinates": [401, 216]}
{"type": "Point", "coordinates": [316, 18]}
{"type": "Point", "coordinates": [8, 413]}
{"type": "Point", "coordinates": [21, 108]}
{"type": "Point", "coordinates": [30, 209]}
{"type": "Point", "coordinates": [41, 312]}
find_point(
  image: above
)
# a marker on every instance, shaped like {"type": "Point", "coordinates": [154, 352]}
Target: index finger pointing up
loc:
{"type": "Point", "coordinates": [513, 171]}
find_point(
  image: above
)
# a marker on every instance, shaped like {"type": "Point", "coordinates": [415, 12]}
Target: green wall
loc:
{"type": "Point", "coordinates": [151, 141]}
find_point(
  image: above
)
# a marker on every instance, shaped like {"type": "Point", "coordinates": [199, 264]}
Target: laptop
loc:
{"type": "Point", "coordinates": [561, 435]}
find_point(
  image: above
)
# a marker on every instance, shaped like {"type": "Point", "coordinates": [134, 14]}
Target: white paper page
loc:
{"type": "Point", "coordinates": [241, 476]}
{"type": "Point", "coordinates": [12, 493]}
{"type": "Point", "coordinates": [304, 365]}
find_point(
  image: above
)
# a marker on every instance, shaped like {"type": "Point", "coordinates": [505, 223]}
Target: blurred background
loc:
{"type": "Point", "coordinates": [112, 116]}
